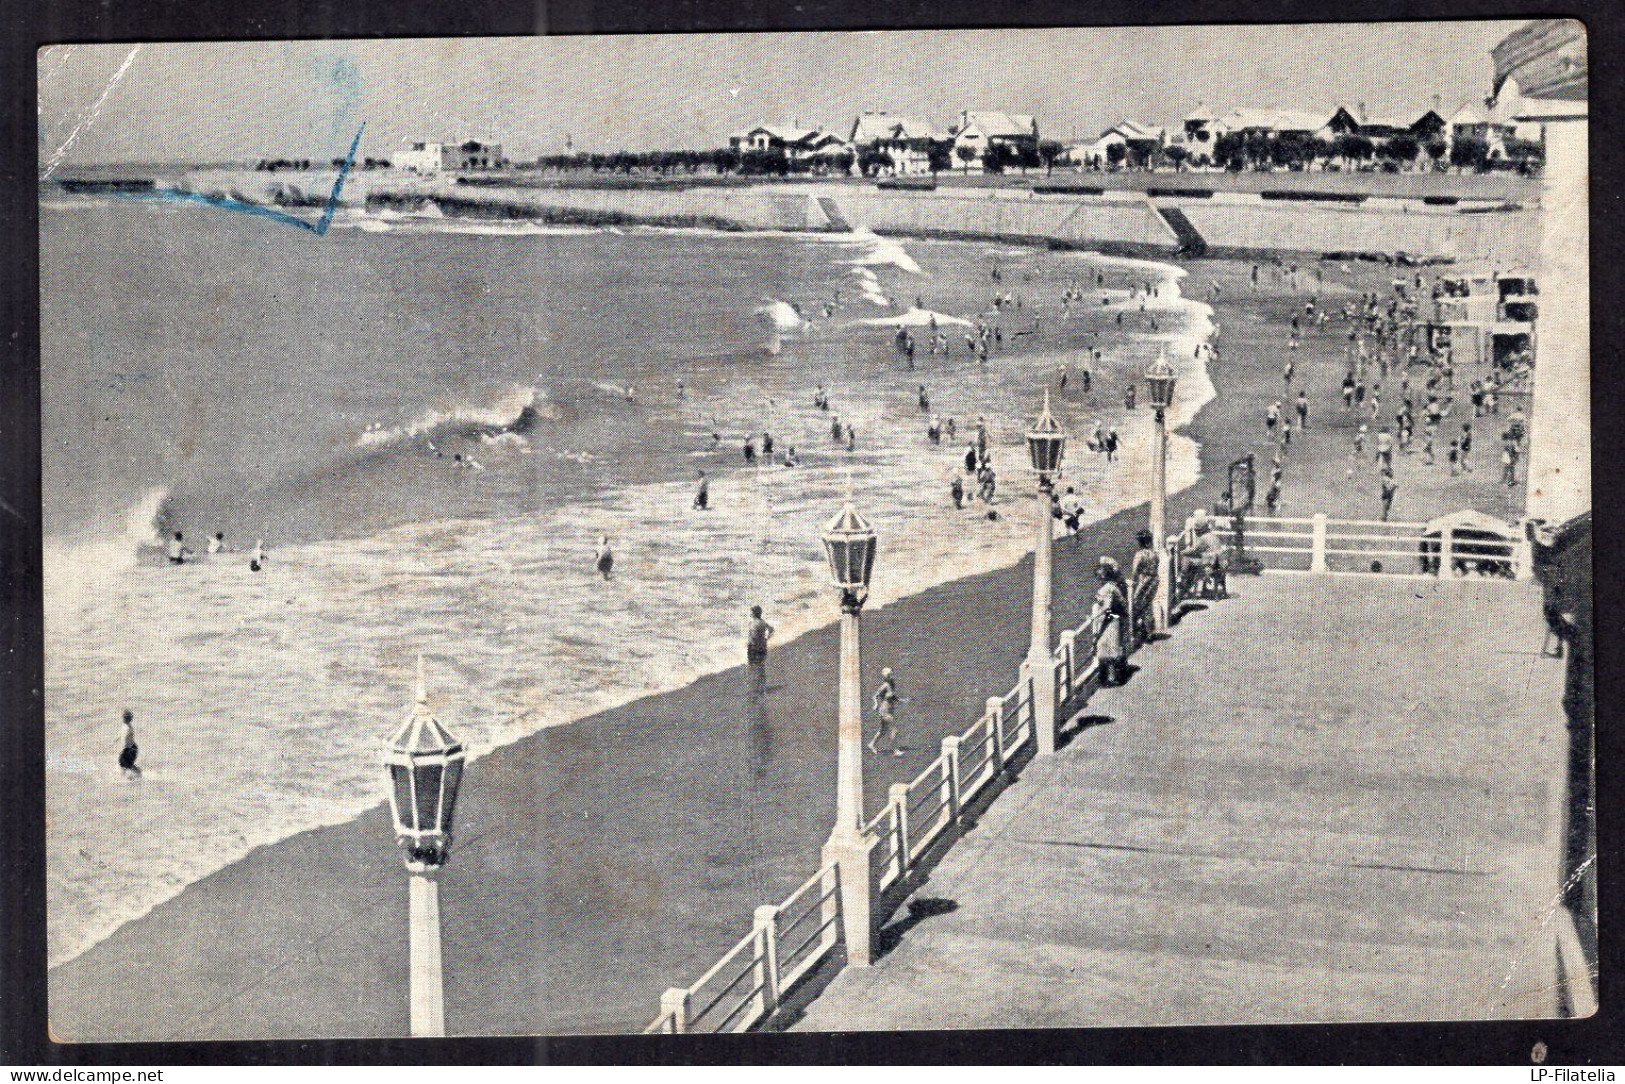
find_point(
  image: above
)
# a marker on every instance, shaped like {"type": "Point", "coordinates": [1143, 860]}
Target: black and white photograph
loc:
{"type": "Point", "coordinates": [816, 531]}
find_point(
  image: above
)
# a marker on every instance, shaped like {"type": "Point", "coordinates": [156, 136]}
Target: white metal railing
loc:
{"type": "Point", "coordinates": [745, 986]}
{"type": "Point", "coordinates": [787, 941]}
{"type": "Point", "coordinates": [1324, 545]}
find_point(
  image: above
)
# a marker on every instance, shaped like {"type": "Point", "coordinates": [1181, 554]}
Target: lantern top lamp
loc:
{"type": "Point", "coordinates": [1159, 381]}
{"type": "Point", "coordinates": [425, 765]}
{"type": "Point", "coordinates": [849, 544]}
{"type": "Point", "coordinates": [1046, 443]}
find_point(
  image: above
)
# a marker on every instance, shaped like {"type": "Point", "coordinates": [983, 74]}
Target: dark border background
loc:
{"type": "Point", "coordinates": [24, 1039]}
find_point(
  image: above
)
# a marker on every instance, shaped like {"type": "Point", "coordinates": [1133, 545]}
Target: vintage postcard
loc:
{"type": "Point", "coordinates": [816, 531]}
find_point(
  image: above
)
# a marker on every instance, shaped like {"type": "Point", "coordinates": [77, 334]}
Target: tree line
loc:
{"type": "Point", "coordinates": [1238, 151]}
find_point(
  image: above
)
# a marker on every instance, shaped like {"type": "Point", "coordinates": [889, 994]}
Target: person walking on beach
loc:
{"type": "Point", "coordinates": [885, 703]}
{"type": "Point", "coordinates": [702, 496]}
{"type": "Point", "coordinates": [956, 488]}
{"type": "Point", "coordinates": [128, 749]}
{"type": "Point", "coordinates": [971, 458]}
{"type": "Point", "coordinates": [933, 431]}
{"type": "Point", "coordinates": [1389, 487]}
{"type": "Point", "coordinates": [1385, 450]}
{"type": "Point", "coordinates": [1466, 446]}
{"type": "Point", "coordinates": [1272, 418]}
{"type": "Point", "coordinates": [176, 550]}
{"type": "Point", "coordinates": [836, 429]}
{"type": "Point", "coordinates": [1070, 507]}
{"type": "Point", "coordinates": [925, 401]}
{"type": "Point", "coordinates": [987, 482]}
{"type": "Point", "coordinates": [750, 449]}
{"type": "Point", "coordinates": [1348, 391]}
{"type": "Point", "coordinates": [606, 557]}
{"type": "Point", "coordinates": [1129, 394]}
{"type": "Point", "coordinates": [1110, 444]}
{"type": "Point", "coordinates": [756, 637]}
{"type": "Point", "coordinates": [1359, 440]}
{"type": "Point", "coordinates": [1303, 409]}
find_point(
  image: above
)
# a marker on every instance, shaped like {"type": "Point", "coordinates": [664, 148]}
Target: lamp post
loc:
{"type": "Point", "coordinates": [1159, 382]}
{"type": "Point", "coordinates": [849, 544]}
{"type": "Point", "coordinates": [1046, 444]}
{"type": "Point", "coordinates": [425, 766]}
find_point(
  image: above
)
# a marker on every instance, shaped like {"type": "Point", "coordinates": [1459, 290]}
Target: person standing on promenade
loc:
{"type": "Point", "coordinates": [1108, 619]}
{"type": "Point", "coordinates": [1142, 578]}
{"type": "Point", "coordinates": [885, 707]}
{"type": "Point", "coordinates": [702, 496]}
{"type": "Point", "coordinates": [606, 557]}
{"type": "Point", "coordinates": [1389, 487]}
{"type": "Point", "coordinates": [128, 749]}
{"type": "Point", "coordinates": [756, 636]}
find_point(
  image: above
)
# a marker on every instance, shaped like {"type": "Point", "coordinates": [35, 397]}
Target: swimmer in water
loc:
{"type": "Point", "coordinates": [176, 550]}
{"type": "Point", "coordinates": [605, 557]}
{"type": "Point", "coordinates": [217, 544]}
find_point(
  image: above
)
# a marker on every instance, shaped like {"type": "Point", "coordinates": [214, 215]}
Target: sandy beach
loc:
{"type": "Point", "coordinates": [601, 861]}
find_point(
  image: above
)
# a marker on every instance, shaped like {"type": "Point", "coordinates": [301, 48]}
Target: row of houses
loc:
{"type": "Point", "coordinates": [906, 140]}
{"type": "Point", "coordinates": [1202, 129]}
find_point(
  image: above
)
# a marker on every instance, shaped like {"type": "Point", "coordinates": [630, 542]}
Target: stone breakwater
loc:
{"type": "Point", "coordinates": [1124, 223]}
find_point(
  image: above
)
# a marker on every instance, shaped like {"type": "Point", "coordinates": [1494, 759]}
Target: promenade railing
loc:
{"type": "Point", "coordinates": [747, 985]}
{"type": "Point", "coordinates": [1324, 545]}
{"type": "Point", "coordinates": [787, 941]}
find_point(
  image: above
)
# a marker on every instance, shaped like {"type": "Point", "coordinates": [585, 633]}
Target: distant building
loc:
{"type": "Point", "coordinates": [979, 130]}
{"type": "Point", "coordinates": [1422, 126]}
{"type": "Point", "coordinates": [1140, 143]}
{"type": "Point", "coordinates": [798, 144]}
{"type": "Point", "coordinates": [471, 154]}
{"type": "Point", "coordinates": [906, 140]}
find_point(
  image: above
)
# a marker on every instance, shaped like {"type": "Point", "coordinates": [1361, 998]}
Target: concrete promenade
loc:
{"type": "Point", "coordinates": [1278, 819]}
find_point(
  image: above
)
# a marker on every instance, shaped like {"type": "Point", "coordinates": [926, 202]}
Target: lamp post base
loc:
{"type": "Point", "coordinates": [851, 854]}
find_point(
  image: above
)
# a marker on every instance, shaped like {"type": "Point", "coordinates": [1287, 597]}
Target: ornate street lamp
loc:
{"type": "Point", "coordinates": [1159, 383]}
{"type": "Point", "coordinates": [849, 544]}
{"type": "Point", "coordinates": [1046, 444]}
{"type": "Point", "coordinates": [425, 766]}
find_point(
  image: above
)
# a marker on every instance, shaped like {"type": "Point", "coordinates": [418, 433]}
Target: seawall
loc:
{"type": "Point", "coordinates": [1121, 222]}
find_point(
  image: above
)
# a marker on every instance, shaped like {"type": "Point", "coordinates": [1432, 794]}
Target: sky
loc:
{"type": "Point", "coordinates": [223, 101]}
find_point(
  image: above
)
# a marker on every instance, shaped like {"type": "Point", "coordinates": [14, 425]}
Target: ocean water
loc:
{"type": "Point", "coordinates": [205, 371]}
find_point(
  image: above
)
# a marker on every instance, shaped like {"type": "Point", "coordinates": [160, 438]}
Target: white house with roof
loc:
{"type": "Point", "coordinates": [977, 130]}
{"type": "Point", "coordinates": [1140, 142]}
{"type": "Point", "coordinates": [906, 140]}
{"type": "Point", "coordinates": [424, 157]}
{"type": "Point", "coordinates": [798, 143]}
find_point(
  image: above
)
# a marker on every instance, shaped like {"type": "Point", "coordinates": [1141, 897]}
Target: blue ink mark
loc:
{"type": "Point", "coordinates": [319, 227]}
